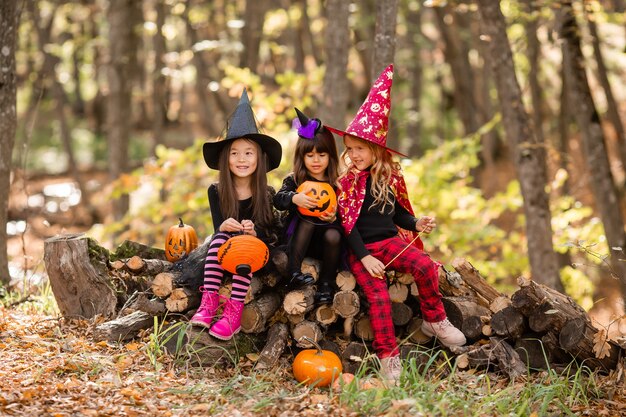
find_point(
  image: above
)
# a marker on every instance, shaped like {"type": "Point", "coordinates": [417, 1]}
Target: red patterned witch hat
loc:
{"type": "Point", "coordinates": [371, 122]}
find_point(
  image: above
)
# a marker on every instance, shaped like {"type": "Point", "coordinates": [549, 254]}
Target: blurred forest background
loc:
{"type": "Point", "coordinates": [511, 112]}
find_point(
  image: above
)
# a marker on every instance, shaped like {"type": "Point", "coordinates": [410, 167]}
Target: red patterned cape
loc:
{"type": "Point", "coordinates": [351, 196]}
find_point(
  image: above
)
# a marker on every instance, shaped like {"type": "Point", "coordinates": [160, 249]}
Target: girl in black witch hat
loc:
{"type": "Point", "coordinates": [316, 160]}
{"type": "Point", "coordinates": [241, 202]}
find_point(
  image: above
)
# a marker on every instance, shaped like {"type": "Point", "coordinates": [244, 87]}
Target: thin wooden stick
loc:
{"type": "Point", "coordinates": [405, 248]}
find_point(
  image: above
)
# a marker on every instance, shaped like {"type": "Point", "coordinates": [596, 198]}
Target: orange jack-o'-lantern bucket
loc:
{"type": "Point", "coordinates": [243, 254]}
{"type": "Point", "coordinates": [323, 193]}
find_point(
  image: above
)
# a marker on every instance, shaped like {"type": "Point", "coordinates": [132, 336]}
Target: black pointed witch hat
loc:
{"type": "Point", "coordinates": [242, 125]}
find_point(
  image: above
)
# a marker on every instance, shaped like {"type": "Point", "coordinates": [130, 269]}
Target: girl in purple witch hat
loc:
{"type": "Point", "coordinates": [316, 159]}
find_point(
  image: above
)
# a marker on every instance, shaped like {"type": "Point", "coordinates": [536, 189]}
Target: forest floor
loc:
{"type": "Point", "coordinates": [52, 366]}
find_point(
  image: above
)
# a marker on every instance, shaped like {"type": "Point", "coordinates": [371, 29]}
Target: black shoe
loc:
{"type": "Point", "coordinates": [324, 293]}
{"type": "Point", "coordinates": [299, 279]}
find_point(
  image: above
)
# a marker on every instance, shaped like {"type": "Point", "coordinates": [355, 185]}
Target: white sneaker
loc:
{"type": "Point", "coordinates": [391, 368]}
{"type": "Point", "coordinates": [443, 330]}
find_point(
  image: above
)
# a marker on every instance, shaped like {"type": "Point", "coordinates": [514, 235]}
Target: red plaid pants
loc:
{"type": "Point", "coordinates": [414, 261]}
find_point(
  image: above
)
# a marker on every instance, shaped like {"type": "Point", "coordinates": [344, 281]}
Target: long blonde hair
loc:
{"type": "Point", "coordinates": [381, 171]}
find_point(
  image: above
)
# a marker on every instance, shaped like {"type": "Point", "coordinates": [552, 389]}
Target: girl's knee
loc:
{"type": "Point", "coordinates": [332, 237]}
{"type": "Point", "coordinates": [220, 236]}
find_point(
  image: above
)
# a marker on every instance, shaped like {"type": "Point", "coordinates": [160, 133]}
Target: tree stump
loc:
{"type": "Point", "coordinates": [276, 341]}
{"type": "Point", "coordinates": [532, 352]}
{"type": "Point", "coordinates": [257, 313]}
{"type": "Point", "coordinates": [124, 328]}
{"type": "Point", "coordinates": [300, 301]}
{"type": "Point", "coordinates": [414, 330]}
{"type": "Point", "coordinates": [196, 347]}
{"type": "Point", "coordinates": [474, 280]}
{"type": "Point", "coordinates": [353, 356]}
{"type": "Point", "coordinates": [309, 329]}
{"type": "Point", "coordinates": [546, 309]}
{"type": "Point", "coordinates": [346, 303]}
{"type": "Point", "coordinates": [589, 345]}
{"type": "Point", "coordinates": [182, 299]}
{"type": "Point", "coordinates": [460, 310]}
{"type": "Point", "coordinates": [163, 283]}
{"type": "Point", "coordinates": [78, 273]}
{"type": "Point", "coordinates": [508, 323]}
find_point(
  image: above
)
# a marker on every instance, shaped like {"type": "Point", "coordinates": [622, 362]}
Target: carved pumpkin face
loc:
{"type": "Point", "coordinates": [323, 193]}
{"type": "Point", "coordinates": [180, 240]}
{"type": "Point", "coordinates": [243, 254]}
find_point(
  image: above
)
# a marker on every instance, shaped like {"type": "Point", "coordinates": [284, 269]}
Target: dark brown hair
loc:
{"type": "Point", "coordinates": [322, 142]}
{"type": "Point", "coordinates": [262, 212]}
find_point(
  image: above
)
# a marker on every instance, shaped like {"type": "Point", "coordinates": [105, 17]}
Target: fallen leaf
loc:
{"type": "Point", "coordinates": [601, 347]}
{"type": "Point", "coordinates": [133, 346]}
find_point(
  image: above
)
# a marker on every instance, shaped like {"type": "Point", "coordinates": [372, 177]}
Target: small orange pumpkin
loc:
{"type": "Point", "coordinates": [243, 254]}
{"type": "Point", "coordinates": [325, 195]}
{"type": "Point", "coordinates": [180, 240]}
{"type": "Point", "coordinates": [317, 367]}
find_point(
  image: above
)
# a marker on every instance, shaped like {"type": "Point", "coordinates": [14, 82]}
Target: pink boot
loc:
{"type": "Point", "coordinates": [230, 323]}
{"type": "Point", "coordinates": [206, 312]}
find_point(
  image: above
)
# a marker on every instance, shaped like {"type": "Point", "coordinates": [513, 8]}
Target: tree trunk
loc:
{"type": "Point", "coordinates": [362, 39]}
{"type": "Point", "coordinates": [159, 88]}
{"type": "Point", "coordinates": [384, 51]}
{"type": "Point", "coordinates": [528, 155]}
{"type": "Point", "coordinates": [334, 103]}
{"type": "Point", "coordinates": [565, 117]}
{"type": "Point", "coordinates": [123, 17]}
{"type": "Point", "coordinates": [611, 103]}
{"type": "Point", "coordinates": [305, 33]}
{"type": "Point", "coordinates": [9, 19]}
{"type": "Point", "coordinates": [533, 54]}
{"type": "Point", "coordinates": [456, 53]}
{"type": "Point", "coordinates": [593, 142]}
{"type": "Point", "coordinates": [252, 33]}
{"type": "Point", "coordinates": [416, 44]}
{"type": "Point", "coordinates": [205, 111]}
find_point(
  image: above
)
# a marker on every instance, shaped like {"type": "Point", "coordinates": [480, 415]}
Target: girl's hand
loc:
{"type": "Point", "coordinates": [231, 225]}
{"type": "Point", "coordinates": [375, 267]}
{"type": "Point", "coordinates": [303, 200]}
{"type": "Point", "coordinates": [248, 227]}
{"type": "Point", "coordinates": [329, 217]}
{"type": "Point", "coordinates": [425, 224]}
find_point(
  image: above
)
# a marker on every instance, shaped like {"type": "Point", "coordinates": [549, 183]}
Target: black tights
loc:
{"type": "Point", "coordinates": [329, 242]}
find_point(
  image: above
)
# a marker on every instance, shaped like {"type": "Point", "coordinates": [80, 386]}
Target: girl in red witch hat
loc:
{"type": "Point", "coordinates": [378, 221]}
{"type": "Point", "coordinates": [241, 202]}
{"type": "Point", "coordinates": [316, 159]}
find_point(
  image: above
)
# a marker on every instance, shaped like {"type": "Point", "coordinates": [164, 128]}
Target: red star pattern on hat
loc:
{"type": "Point", "coordinates": [371, 122]}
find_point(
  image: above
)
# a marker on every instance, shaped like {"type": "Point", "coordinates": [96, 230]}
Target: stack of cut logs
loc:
{"type": "Point", "coordinates": [535, 328]}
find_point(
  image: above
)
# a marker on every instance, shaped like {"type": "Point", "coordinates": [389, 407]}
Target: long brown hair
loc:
{"type": "Point", "coordinates": [322, 142]}
{"type": "Point", "coordinates": [262, 213]}
{"type": "Point", "coordinates": [381, 171]}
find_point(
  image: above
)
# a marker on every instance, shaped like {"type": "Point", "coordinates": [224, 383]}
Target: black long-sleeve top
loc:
{"type": "Point", "coordinates": [374, 226]}
{"type": "Point", "coordinates": [245, 212]}
{"type": "Point", "coordinates": [283, 200]}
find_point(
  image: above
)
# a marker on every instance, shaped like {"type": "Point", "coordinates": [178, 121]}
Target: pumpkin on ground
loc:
{"type": "Point", "coordinates": [317, 366]}
{"type": "Point", "coordinates": [323, 193]}
{"type": "Point", "coordinates": [243, 254]}
{"type": "Point", "coordinates": [179, 241]}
